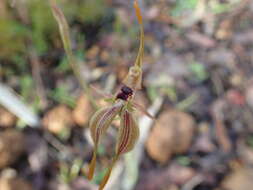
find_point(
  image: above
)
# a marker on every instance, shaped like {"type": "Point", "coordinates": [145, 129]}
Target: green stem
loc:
{"type": "Point", "coordinates": [64, 32]}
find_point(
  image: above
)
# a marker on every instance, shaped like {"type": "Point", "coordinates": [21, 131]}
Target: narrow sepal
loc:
{"type": "Point", "coordinates": [142, 110]}
{"type": "Point", "coordinates": [101, 93]}
{"type": "Point", "coordinates": [108, 173]}
{"type": "Point", "coordinates": [99, 123]}
{"type": "Point", "coordinates": [134, 76]}
{"type": "Point", "coordinates": [138, 61]}
{"type": "Point", "coordinates": [138, 11]}
{"type": "Point", "coordinates": [92, 164]}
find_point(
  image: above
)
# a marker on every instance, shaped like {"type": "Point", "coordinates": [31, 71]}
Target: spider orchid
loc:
{"type": "Point", "coordinates": [122, 105]}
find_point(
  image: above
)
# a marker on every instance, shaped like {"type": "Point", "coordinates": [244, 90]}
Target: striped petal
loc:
{"type": "Point", "coordinates": [99, 123]}
{"type": "Point", "coordinates": [128, 133]}
{"type": "Point", "coordinates": [102, 119]}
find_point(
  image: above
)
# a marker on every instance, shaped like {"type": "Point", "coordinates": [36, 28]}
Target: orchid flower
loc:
{"type": "Point", "coordinates": [124, 106]}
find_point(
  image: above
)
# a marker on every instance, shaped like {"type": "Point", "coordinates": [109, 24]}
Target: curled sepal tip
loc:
{"type": "Point", "coordinates": [138, 11]}
{"type": "Point", "coordinates": [108, 173]}
{"type": "Point", "coordinates": [92, 164]}
{"type": "Point", "coordinates": [99, 123]}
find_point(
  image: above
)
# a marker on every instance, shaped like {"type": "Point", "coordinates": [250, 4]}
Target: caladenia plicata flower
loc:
{"type": "Point", "coordinates": [122, 105]}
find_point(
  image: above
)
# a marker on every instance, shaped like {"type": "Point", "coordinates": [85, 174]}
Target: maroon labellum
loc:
{"type": "Point", "coordinates": [125, 93]}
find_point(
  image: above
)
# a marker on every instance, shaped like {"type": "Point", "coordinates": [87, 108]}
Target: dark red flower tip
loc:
{"type": "Point", "coordinates": [127, 90]}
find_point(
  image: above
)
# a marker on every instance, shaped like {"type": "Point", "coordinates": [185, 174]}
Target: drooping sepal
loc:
{"type": "Point", "coordinates": [99, 123]}
{"type": "Point", "coordinates": [102, 119]}
{"type": "Point", "coordinates": [141, 109]}
{"type": "Point", "coordinates": [108, 172]}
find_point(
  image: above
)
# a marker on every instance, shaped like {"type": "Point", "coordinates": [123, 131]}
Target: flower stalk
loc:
{"type": "Point", "coordinates": [124, 106]}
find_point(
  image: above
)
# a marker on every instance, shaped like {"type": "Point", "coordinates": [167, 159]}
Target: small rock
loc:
{"type": "Point", "coordinates": [240, 178]}
{"type": "Point", "coordinates": [12, 145]}
{"type": "Point", "coordinates": [7, 119]}
{"type": "Point", "coordinates": [83, 111]}
{"type": "Point", "coordinates": [58, 120]}
{"type": "Point", "coordinates": [172, 134]}
{"type": "Point", "coordinates": [14, 183]}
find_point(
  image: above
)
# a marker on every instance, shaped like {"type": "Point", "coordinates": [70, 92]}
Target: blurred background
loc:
{"type": "Point", "coordinates": [198, 83]}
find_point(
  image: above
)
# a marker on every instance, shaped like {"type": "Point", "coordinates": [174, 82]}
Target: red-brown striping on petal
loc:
{"type": "Point", "coordinates": [125, 132]}
{"type": "Point", "coordinates": [102, 119]}
{"type": "Point", "coordinates": [128, 134]}
{"type": "Point", "coordinates": [99, 123]}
